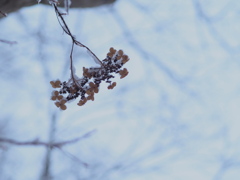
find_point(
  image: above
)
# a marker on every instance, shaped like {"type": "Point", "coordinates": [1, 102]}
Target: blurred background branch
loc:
{"type": "Point", "coordinates": [8, 6]}
{"type": "Point", "coordinates": [37, 142]}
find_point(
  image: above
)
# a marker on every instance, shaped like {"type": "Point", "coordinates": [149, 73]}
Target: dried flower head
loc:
{"type": "Point", "coordinates": [89, 84]}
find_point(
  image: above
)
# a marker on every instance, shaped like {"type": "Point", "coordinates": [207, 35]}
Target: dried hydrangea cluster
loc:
{"type": "Point", "coordinates": [89, 84]}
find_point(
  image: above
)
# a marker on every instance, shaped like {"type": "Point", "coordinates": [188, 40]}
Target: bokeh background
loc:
{"type": "Point", "coordinates": [175, 116]}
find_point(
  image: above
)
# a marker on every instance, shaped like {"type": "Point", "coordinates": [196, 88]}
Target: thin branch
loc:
{"type": "Point", "coordinates": [74, 158]}
{"type": "Point", "coordinates": [10, 6]}
{"type": "Point", "coordinates": [45, 144]}
{"type": "Point", "coordinates": [8, 42]}
{"type": "Point", "coordinates": [67, 31]}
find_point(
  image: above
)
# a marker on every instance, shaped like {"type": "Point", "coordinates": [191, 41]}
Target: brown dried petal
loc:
{"type": "Point", "coordinates": [114, 84]}
{"type": "Point", "coordinates": [56, 93]}
{"type": "Point", "coordinates": [91, 97]}
{"type": "Point", "coordinates": [52, 82]}
{"type": "Point", "coordinates": [86, 73]}
{"type": "Point", "coordinates": [120, 52]}
{"type": "Point", "coordinates": [112, 50]}
{"type": "Point", "coordinates": [123, 73]}
{"type": "Point", "coordinates": [96, 90]}
{"type": "Point", "coordinates": [57, 104]}
{"type": "Point", "coordinates": [92, 85]}
{"type": "Point", "coordinates": [89, 92]}
{"type": "Point", "coordinates": [73, 90]}
{"type": "Point", "coordinates": [60, 97]}
{"type": "Point", "coordinates": [125, 59]}
{"type": "Point", "coordinates": [55, 84]}
{"type": "Point", "coordinates": [63, 101]}
{"type": "Point", "coordinates": [82, 102]}
{"type": "Point", "coordinates": [53, 98]}
{"type": "Point", "coordinates": [110, 54]}
{"type": "Point", "coordinates": [63, 107]}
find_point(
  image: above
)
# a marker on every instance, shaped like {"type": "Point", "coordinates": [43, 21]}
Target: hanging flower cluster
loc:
{"type": "Point", "coordinates": [87, 86]}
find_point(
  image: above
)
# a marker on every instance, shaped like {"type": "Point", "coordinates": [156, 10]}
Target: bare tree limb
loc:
{"type": "Point", "coordinates": [37, 142]}
{"type": "Point", "coordinates": [9, 6]}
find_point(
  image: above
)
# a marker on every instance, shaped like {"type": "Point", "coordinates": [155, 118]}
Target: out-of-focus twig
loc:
{"type": "Point", "coordinates": [37, 142]}
{"type": "Point", "coordinates": [8, 42]}
{"type": "Point", "coordinates": [10, 6]}
{"type": "Point", "coordinates": [74, 158]}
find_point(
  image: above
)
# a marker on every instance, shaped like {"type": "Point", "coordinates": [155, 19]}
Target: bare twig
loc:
{"type": "Point", "coordinates": [71, 156]}
{"type": "Point", "coordinates": [8, 42]}
{"type": "Point", "coordinates": [74, 41]}
{"type": "Point", "coordinates": [37, 142]}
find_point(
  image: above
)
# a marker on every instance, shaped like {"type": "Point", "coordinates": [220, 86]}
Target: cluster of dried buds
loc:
{"type": "Point", "coordinates": [89, 84]}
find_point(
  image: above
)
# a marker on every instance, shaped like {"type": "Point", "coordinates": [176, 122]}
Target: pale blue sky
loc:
{"type": "Point", "coordinates": [175, 116]}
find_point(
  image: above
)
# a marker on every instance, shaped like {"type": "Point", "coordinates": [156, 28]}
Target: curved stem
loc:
{"type": "Point", "coordinates": [68, 32]}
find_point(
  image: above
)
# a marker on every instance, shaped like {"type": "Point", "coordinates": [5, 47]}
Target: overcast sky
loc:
{"type": "Point", "coordinates": [175, 116]}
